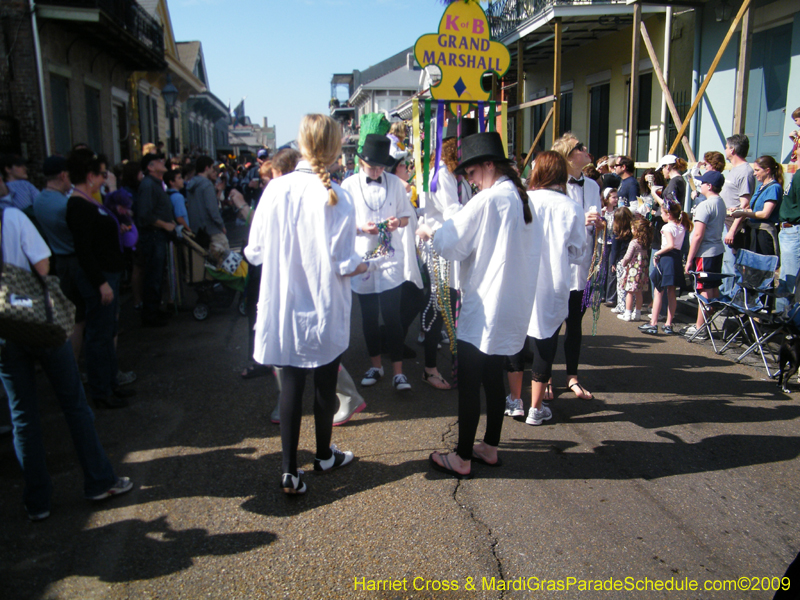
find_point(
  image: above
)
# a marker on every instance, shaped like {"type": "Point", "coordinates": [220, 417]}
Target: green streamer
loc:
{"type": "Point", "coordinates": [492, 116]}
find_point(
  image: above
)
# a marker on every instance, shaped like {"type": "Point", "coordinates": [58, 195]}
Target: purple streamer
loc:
{"type": "Point", "coordinates": [481, 118]}
{"type": "Point", "coordinates": [439, 133]}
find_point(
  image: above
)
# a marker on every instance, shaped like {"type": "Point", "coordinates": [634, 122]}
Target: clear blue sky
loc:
{"type": "Point", "coordinates": [281, 55]}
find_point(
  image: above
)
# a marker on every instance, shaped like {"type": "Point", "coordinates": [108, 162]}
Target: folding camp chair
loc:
{"type": "Point", "coordinates": [749, 304]}
{"type": "Point", "coordinates": [712, 309]}
{"type": "Point", "coordinates": [768, 325]}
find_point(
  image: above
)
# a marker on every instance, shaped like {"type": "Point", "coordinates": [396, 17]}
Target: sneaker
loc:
{"type": "Point", "coordinates": [668, 330]}
{"type": "Point", "coordinates": [293, 485]}
{"type": "Point", "coordinates": [514, 407]}
{"type": "Point", "coordinates": [692, 330]}
{"type": "Point", "coordinates": [644, 326]}
{"type": "Point", "coordinates": [371, 376]}
{"type": "Point", "coordinates": [400, 383]}
{"type": "Point", "coordinates": [122, 486]}
{"type": "Point", "coordinates": [651, 329]}
{"type": "Point", "coordinates": [125, 377]}
{"type": "Point", "coordinates": [537, 417]}
{"type": "Point", "coordinates": [39, 516]}
{"type": "Point", "coordinates": [636, 315]}
{"type": "Point", "coordinates": [615, 310]}
{"type": "Point", "coordinates": [337, 459]}
{"type": "Point", "coordinates": [626, 316]}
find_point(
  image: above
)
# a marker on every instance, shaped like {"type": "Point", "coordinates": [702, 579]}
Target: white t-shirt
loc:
{"type": "Point", "coordinates": [306, 248]}
{"type": "Point", "coordinates": [677, 231]}
{"type": "Point", "coordinates": [500, 256]}
{"type": "Point", "coordinates": [21, 240]}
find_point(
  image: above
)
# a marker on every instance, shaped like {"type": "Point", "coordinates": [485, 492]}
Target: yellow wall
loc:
{"type": "Point", "coordinates": [608, 53]}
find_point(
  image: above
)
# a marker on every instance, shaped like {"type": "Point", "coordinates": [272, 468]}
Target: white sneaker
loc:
{"type": "Point", "coordinates": [626, 316]}
{"type": "Point", "coordinates": [514, 407]}
{"type": "Point", "coordinates": [636, 315]}
{"type": "Point", "coordinates": [615, 310]}
{"type": "Point", "coordinates": [537, 417]}
{"type": "Point", "coordinates": [371, 376]}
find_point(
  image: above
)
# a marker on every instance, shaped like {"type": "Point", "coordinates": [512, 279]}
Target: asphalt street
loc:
{"type": "Point", "coordinates": [684, 468]}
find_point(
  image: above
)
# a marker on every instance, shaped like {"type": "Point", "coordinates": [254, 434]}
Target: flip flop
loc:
{"type": "Point", "coordinates": [431, 378]}
{"type": "Point", "coordinates": [445, 466]}
{"type": "Point", "coordinates": [479, 459]}
{"type": "Point", "coordinates": [583, 391]}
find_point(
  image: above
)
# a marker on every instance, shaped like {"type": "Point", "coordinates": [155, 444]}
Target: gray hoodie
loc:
{"type": "Point", "coordinates": [202, 205]}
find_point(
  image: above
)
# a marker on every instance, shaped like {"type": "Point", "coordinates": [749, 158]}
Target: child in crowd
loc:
{"type": "Point", "coordinates": [795, 137]}
{"type": "Point", "coordinates": [174, 181]}
{"type": "Point", "coordinates": [635, 264]}
{"type": "Point", "coordinates": [667, 269]}
{"type": "Point", "coordinates": [622, 237]}
{"type": "Point", "coordinates": [610, 200]}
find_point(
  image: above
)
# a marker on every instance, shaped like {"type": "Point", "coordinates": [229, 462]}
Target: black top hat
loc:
{"type": "Point", "coordinates": [481, 147]}
{"type": "Point", "coordinates": [469, 126]}
{"type": "Point", "coordinates": [375, 151]}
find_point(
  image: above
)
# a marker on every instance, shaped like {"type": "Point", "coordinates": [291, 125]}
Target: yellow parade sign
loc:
{"type": "Point", "coordinates": [464, 52]}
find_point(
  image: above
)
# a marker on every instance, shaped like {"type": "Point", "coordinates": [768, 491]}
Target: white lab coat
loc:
{"type": "Point", "coordinates": [499, 256]}
{"type": "Point", "coordinates": [564, 234]}
{"type": "Point", "coordinates": [306, 248]}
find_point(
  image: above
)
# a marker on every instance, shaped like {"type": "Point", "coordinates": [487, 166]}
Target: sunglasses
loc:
{"type": "Point", "coordinates": [579, 147]}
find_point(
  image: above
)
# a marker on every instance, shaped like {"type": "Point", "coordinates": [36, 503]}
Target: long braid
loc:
{"type": "Point", "coordinates": [508, 171]}
{"type": "Point", "coordinates": [325, 177]}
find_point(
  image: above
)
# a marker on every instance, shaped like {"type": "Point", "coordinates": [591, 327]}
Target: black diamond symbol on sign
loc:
{"type": "Point", "coordinates": [459, 87]}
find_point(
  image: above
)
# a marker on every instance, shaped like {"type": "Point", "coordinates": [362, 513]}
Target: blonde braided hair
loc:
{"type": "Point", "coordinates": [320, 141]}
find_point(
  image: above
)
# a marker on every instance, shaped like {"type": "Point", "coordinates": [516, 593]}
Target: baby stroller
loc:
{"type": "Point", "coordinates": [216, 288]}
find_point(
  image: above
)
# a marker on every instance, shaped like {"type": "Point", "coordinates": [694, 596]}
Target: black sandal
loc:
{"type": "Point", "coordinates": [583, 391]}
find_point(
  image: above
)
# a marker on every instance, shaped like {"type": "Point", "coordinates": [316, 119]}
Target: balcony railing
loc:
{"type": "Point", "coordinates": [126, 14]}
{"type": "Point", "coordinates": [506, 15]}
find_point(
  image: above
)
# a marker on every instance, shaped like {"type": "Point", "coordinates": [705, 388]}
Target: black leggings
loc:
{"type": "Point", "coordinates": [544, 353]}
{"type": "Point", "coordinates": [251, 304]}
{"type": "Point", "coordinates": [574, 335]}
{"type": "Point", "coordinates": [476, 368]}
{"type": "Point", "coordinates": [387, 304]}
{"type": "Point", "coordinates": [292, 382]}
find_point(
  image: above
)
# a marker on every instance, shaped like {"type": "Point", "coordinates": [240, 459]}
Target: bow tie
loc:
{"type": "Point", "coordinates": [370, 180]}
{"type": "Point", "coordinates": [576, 181]}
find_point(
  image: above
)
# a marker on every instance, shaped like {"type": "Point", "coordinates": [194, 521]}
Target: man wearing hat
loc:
{"type": "Point", "coordinates": [50, 210]}
{"type": "Point", "coordinates": [706, 248]}
{"type": "Point", "coordinates": [155, 220]}
{"type": "Point", "coordinates": [15, 174]}
{"type": "Point", "coordinates": [379, 198]}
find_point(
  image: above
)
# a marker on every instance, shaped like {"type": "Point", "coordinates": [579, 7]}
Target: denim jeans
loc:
{"type": "Point", "coordinates": [101, 327]}
{"type": "Point", "coordinates": [17, 363]}
{"type": "Point", "coordinates": [153, 246]}
{"type": "Point", "coordinates": [789, 242]}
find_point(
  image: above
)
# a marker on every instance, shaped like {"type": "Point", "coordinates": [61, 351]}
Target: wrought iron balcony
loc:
{"type": "Point", "coordinates": [122, 26]}
{"type": "Point", "coordinates": [507, 15]}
